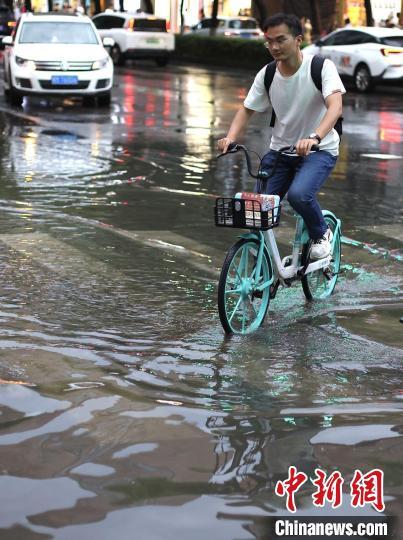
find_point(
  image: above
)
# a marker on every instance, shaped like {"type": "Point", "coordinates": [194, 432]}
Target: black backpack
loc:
{"type": "Point", "coordinates": [316, 74]}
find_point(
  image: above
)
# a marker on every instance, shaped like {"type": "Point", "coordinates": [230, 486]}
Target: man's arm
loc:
{"type": "Point", "coordinates": [334, 107]}
{"type": "Point", "coordinates": [237, 127]}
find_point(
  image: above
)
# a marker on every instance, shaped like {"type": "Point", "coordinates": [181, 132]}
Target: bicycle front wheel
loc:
{"type": "Point", "coordinates": [320, 284]}
{"type": "Point", "coordinates": [244, 296]}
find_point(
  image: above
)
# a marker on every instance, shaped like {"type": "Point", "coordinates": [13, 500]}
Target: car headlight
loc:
{"type": "Point", "coordinates": [99, 64]}
{"type": "Point", "coordinates": [23, 62]}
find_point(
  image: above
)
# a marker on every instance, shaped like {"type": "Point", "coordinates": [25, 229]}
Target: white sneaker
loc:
{"type": "Point", "coordinates": [323, 246]}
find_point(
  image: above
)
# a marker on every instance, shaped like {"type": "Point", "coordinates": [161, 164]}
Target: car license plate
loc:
{"type": "Point", "coordinates": [64, 79]}
{"type": "Point", "coordinates": [152, 40]}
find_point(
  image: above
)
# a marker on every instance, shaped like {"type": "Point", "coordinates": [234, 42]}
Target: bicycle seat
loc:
{"type": "Point", "coordinates": [267, 202]}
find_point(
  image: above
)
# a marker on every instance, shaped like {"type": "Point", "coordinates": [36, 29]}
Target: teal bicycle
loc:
{"type": "Point", "coordinates": [253, 269]}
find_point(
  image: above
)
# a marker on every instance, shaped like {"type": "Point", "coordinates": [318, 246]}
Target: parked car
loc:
{"type": "Point", "coordinates": [367, 55]}
{"type": "Point", "coordinates": [57, 55]}
{"type": "Point", "coordinates": [7, 20]}
{"type": "Point", "coordinates": [136, 35]}
{"type": "Point", "coordinates": [241, 27]}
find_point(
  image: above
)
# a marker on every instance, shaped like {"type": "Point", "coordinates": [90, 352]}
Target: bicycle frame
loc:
{"type": "Point", "coordinates": [294, 270]}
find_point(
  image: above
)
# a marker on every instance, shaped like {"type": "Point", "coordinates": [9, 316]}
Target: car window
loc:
{"type": "Point", "coordinates": [242, 24]}
{"type": "Point", "coordinates": [352, 37]}
{"type": "Point", "coordinates": [148, 25]}
{"type": "Point", "coordinates": [344, 38]}
{"type": "Point", "coordinates": [393, 41]}
{"type": "Point", "coordinates": [330, 40]}
{"type": "Point", "coordinates": [206, 23]}
{"type": "Point", "coordinates": [57, 32]}
{"type": "Point", "coordinates": [106, 22]}
{"type": "Point", "coordinates": [355, 38]}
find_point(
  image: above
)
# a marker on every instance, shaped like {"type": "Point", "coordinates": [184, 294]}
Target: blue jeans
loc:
{"type": "Point", "coordinates": [301, 178]}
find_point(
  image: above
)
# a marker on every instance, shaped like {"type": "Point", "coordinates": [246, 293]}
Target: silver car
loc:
{"type": "Point", "coordinates": [235, 27]}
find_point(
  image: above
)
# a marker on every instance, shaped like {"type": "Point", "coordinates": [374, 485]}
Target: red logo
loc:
{"type": "Point", "coordinates": [364, 488]}
{"type": "Point", "coordinates": [290, 486]}
{"type": "Point", "coordinates": [327, 489]}
{"type": "Point", "coordinates": [368, 489]}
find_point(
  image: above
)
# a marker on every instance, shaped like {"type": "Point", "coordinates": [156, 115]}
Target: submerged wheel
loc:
{"type": "Point", "coordinates": [320, 284]}
{"type": "Point", "coordinates": [161, 61]}
{"type": "Point", "coordinates": [104, 100]}
{"type": "Point", "coordinates": [241, 306]}
{"type": "Point", "coordinates": [118, 58]}
{"type": "Point", "coordinates": [362, 79]}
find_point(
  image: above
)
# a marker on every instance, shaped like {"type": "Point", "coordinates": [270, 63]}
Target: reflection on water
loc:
{"type": "Point", "coordinates": [122, 405]}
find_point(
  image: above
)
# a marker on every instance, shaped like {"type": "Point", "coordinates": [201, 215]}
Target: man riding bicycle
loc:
{"type": "Point", "coordinates": [304, 117]}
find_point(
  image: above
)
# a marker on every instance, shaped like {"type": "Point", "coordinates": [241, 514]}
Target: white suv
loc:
{"type": "Point", "coordinates": [233, 27]}
{"type": "Point", "coordinates": [57, 55]}
{"type": "Point", "coordinates": [367, 55]}
{"type": "Point", "coordinates": [137, 35]}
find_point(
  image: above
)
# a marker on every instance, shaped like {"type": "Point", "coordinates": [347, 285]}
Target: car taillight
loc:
{"type": "Point", "coordinates": [387, 51]}
{"type": "Point", "coordinates": [11, 24]}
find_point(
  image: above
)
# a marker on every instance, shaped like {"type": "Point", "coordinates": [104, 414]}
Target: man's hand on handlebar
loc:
{"type": "Point", "coordinates": [222, 144]}
{"type": "Point", "coordinates": [304, 146]}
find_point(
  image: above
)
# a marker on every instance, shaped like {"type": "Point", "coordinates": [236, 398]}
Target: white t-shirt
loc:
{"type": "Point", "coordinates": [298, 104]}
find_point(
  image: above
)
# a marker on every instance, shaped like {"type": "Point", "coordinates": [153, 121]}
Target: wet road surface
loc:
{"type": "Point", "coordinates": [123, 408]}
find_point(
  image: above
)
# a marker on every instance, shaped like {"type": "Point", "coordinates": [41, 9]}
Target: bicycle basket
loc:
{"type": "Point", "coordinates": [245, 214]}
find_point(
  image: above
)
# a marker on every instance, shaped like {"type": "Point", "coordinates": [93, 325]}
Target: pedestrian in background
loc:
{"type": "Point", "coordinates": [307, 30]}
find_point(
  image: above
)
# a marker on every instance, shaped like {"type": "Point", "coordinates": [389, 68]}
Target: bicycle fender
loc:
{"type": "Point", "coordinates": [337, 221]}
{"type": "Point", "coordinates": [326, 213]}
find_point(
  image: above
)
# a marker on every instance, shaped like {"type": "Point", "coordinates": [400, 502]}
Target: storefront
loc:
{"type": "Point", "coordinates": [382, 10]}
{"type": "Point", "coordinates": [194, 10]}
{"type": "Point", "coordinates": [355, 11]}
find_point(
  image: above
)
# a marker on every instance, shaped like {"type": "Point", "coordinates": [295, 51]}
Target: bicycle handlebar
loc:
{"type": "Point", "coordinates": [290, 150]}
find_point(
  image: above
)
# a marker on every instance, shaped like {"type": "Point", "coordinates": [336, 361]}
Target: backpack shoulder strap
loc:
{"type": "Point", "coordinates": [316, 74]}
{"type": "Point", "coordinates": [316, 71]}
{"type": "Point", "coordinates": [268, 79]}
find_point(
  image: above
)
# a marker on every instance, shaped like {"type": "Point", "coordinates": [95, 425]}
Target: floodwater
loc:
{"type": "Point", "coordinates": [125, 412]}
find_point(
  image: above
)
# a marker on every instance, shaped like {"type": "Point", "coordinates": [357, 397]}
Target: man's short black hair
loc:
{"type": "Point", "coordinates": [292, 21]}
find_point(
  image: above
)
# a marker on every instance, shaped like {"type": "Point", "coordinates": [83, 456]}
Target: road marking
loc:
{"type": "Point", "coordinates": [382, 156]}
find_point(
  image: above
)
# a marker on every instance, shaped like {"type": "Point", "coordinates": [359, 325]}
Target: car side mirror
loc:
{"type": "Point", "coordinates": [7, 40]}
{"type": "Point", "coordinates": [108, 42]}
{"type": "Point", "coordinates": [319, 43]}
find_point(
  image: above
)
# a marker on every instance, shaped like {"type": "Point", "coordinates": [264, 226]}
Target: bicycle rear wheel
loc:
{"type": "Point", "coordinates": [241, 306]}
{"type": "Point", "coordinates": [320, 284]}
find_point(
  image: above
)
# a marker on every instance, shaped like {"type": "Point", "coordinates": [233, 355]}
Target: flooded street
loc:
{"type": "Point", "coordinates": [123, 406]}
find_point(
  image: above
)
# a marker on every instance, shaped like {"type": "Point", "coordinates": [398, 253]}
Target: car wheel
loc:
{"type": "Point", "coordinates": [15, 98]}
{"type": "Point", "coordinates": [161, 62]}
{"type": "Point", "coordinates": [117, 57]}
{"type": "Point", "coordinates": [362, 79]}
{"type": "Point", "coordinates": [104, 100]}
{"type": "Point", "coordinates": [88, 101]}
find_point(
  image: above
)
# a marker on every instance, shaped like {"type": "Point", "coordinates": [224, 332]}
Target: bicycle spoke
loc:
{"type": "Point", "coordinates": [251, 303]}
{"type": "Point", "coordinates": [233, 291]}
{"type": "Point", "coordinates": [243, 318]}
{"type": "Point", "coordinates": [235, 309]}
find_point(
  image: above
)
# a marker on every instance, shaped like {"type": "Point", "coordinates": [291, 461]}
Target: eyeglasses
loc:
{"type": "Point", "coordinates": [280, 41]}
